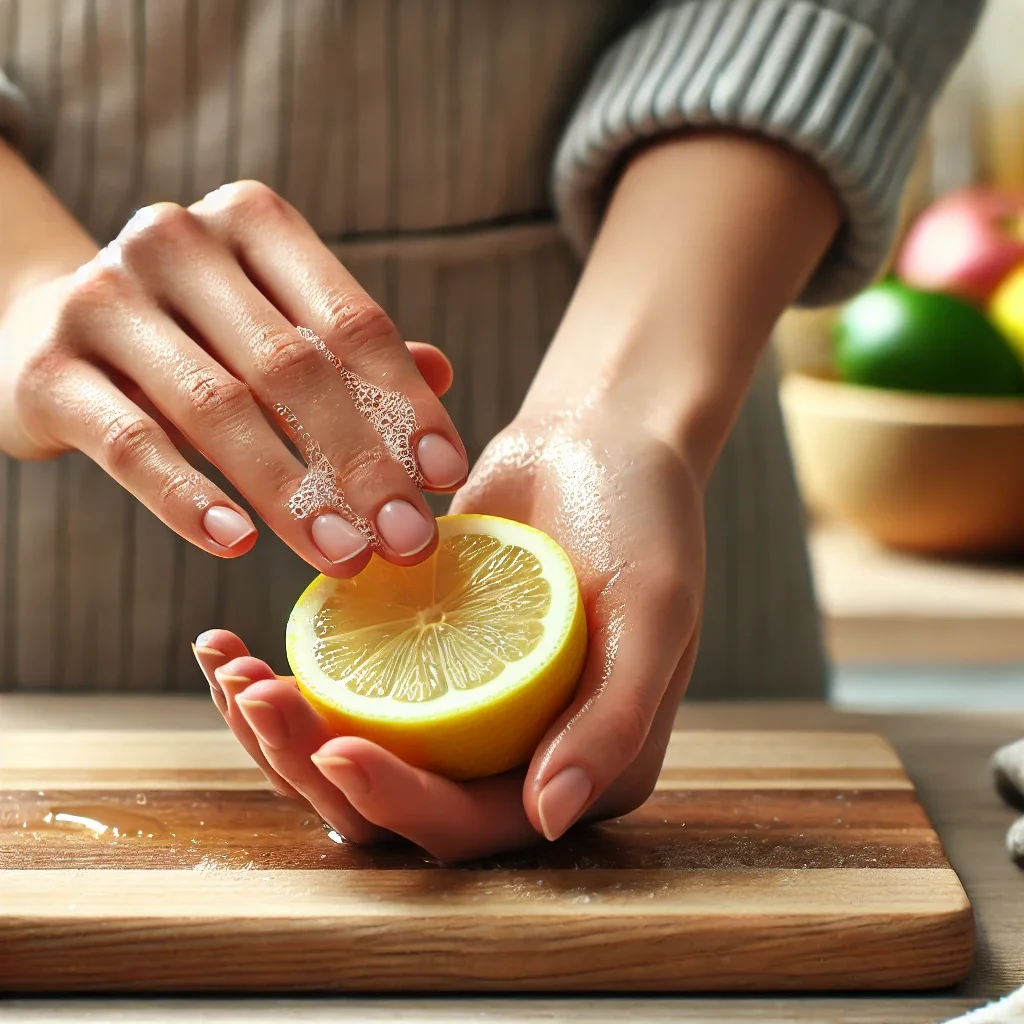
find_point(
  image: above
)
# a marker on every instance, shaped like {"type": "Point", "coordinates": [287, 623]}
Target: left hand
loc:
{"type": "Point", "coordinates": [628, 511]}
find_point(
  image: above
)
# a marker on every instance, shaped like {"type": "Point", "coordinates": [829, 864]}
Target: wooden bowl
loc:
{"type": "Point", "coordinates": [925, 473]}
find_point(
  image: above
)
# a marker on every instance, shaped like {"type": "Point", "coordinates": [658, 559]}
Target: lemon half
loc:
{"type": "Point", "coordinates": [457, 665]}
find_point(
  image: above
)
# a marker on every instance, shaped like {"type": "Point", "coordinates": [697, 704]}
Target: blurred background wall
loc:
{"type": "Point", "coordinates": [908, 630]}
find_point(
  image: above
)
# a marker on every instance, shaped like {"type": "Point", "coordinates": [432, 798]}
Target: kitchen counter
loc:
{"type": "Point", "coordinates": [882, 607]}
{"type": "Point", "coordinates": [945, 754]}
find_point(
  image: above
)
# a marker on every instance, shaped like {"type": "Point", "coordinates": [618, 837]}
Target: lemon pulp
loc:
{"type": "Point", "coordinates": [459, 664]}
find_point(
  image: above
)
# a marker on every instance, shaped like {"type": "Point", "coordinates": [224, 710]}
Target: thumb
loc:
{"type": "Point", "coordinates": [642, 623]}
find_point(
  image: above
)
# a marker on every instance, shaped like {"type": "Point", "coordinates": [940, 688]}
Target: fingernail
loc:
{"type": "Point", "coordinates": [440, 461]}
{"type": "Point", "coordinates": [345, 774]}
{"type": "Point", "coordinates": [226, 526]}
{"type": "Point", "coordinates": [562, 800]}
{"type": "Point", "coordinates": [215, 688]}
{"type": "Point", "coordinates": [226, 677]}
{"type": "Point", "coordinates": [218, 696]}
{"type": "Point", "coordinates": [403, 528]}
{"type": "Point", "coordinates": [266, 721]}
{"type": "Point", "coordinates": [337, 540]}
{"type": "Point", "coordinates": [205, 652]}
{"type": "Point", "coordinates": [230, 684]}
{"type": "Point", "coordinates": [203, 640]}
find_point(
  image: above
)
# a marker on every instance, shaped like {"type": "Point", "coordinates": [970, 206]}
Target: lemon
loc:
{"type": "Point", "coordinates": [1006, 310]}
{"type": "Point", "coordinates": [459, 664]}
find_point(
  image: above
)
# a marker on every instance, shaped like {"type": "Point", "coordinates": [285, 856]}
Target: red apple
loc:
{"type": "Point", "coordinates": [965, 243]}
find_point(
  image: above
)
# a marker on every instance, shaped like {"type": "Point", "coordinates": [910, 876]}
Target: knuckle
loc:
{"type": "Point", "coordinates": [214, 394]}
{"type": "Point", "coordinates": [160, 225]}
{"type": "Point", "coordinates": [670, 589]}
{"type": "Point", "coordinates": [177, 486]}
{"type": "Point", "coordinates": [44, 372]}
{"type": "Point", "coordinates": [285, 354]}
{"type": "Point", "coordinates": [39, 387]}
{"type": "Point", "coordinates": [95, 288]}
{"type": "Point", "coordinates": [127, 439]}
{"type": "Point", "coordinates": [360, 325]}
{"type": "Point", "coordinates": [254, 199]}
{"type": "Point", "coordinates": [632, 728]}
{"type": "Point", "coordinates": [362, 466]}
{"type": "Point", "coordinates": [280, 478]}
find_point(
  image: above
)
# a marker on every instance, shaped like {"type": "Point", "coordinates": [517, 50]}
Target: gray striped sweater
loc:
{"type": "Point", "coordinates": [445, 149]}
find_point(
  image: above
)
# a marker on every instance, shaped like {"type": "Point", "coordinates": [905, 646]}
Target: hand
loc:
{"type": "Point", "coordinates": [184, 330]}
{"type": "Point", "coordinates": [626, 508]}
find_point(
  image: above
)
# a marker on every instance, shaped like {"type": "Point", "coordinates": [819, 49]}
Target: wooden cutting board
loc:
{"type": "Point", "coordinates": [764, 861]}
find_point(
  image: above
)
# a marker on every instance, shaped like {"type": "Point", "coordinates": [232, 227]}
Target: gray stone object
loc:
{"type": "Point", "coordinates": [1015, 842]}
{"type": "Point", "coordinates": [1008, 769]}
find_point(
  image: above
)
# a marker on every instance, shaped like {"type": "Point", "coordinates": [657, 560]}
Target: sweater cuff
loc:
{"type": "Point", "coordinates": [14, 114]}
{"type": "Point", "coordinates": [808, 77]}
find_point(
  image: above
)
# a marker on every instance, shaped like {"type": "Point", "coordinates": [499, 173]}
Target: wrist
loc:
{"type": "Point", "coordinates": [39, 239]}
{"type": "Point", "coordinates": [646, 378]}
{"type": "Point", "coordinates": [707, 239]}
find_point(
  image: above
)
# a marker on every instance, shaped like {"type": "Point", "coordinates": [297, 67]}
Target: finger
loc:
{"type": "Point", "coordinates": [433, 365]}
{"type": "Point", "coordinates": [306, 282]}
{"type": "Point", "coordinates": [213, 649]}
{"type": "Point", "coordinates": [216, 413]}
{"type": "Point", "coordinates": [84, 410]}
{"type": "Point", "coordinates": [633, 787]}
{"type": "Point", "coordinates": [289, 732]}
{"type": "Point", "coordinates": [641, 623]}
{"type": "Point", "coordinates": [452, 821]}
{"type": "Point", "coordinates": [352, 469]}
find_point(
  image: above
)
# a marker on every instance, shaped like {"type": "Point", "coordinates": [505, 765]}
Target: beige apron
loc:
{"type": "Point", "coordinates": [416, 136]}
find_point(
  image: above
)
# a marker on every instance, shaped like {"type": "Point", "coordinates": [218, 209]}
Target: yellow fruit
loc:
{"type": "Point", "coordinates": [458, 665]}
{"type": "Point", "coordinates": [1006, 309]}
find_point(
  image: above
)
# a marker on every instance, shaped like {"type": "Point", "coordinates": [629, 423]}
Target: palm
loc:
{"type": "Point", "coordinates": [614, 497]}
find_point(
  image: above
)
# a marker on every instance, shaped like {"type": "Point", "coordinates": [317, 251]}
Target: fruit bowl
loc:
{"type": "Point", "coordinates": [933, 474]}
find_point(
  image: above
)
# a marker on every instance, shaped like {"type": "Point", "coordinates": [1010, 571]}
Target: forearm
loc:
{"type": "Point", "coordinates": [39, 239]}
{"type": "Point", "coordinates": [706, 240]}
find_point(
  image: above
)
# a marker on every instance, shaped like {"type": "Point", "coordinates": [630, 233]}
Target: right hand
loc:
{"type": "Point", "coordinates": [186, 325]}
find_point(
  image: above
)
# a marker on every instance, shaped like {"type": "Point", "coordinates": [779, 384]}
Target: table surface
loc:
{"type": "Point", "coordinates": [884, 607]}
{"type": "Point", "coordinates": [946, 755]}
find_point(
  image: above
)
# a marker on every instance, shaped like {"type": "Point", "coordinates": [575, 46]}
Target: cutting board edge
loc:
{"type": "Point", "coordinates": [86, 948]}
{"type": "Point", "coordinates": [637, 972]}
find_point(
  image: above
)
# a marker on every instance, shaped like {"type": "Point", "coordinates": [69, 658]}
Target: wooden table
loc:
{"type": "Point", "coordinates": [885, 608]}
{"type": "Point", "coordinates": [945, 754]}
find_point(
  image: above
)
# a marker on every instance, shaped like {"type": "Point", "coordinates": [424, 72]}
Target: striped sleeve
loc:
{"type": "Point", "coordinates": [14, 116]}
{"type": "Point", "coordinates": [848, 83]}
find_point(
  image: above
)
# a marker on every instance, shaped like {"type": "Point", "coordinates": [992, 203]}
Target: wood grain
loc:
{"type": "Point", "coordinates": [678, 830]}
{"type": "Point", "coordinates": [154, 860]}
{"type": "Point", "coordinates": [452, 929]}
